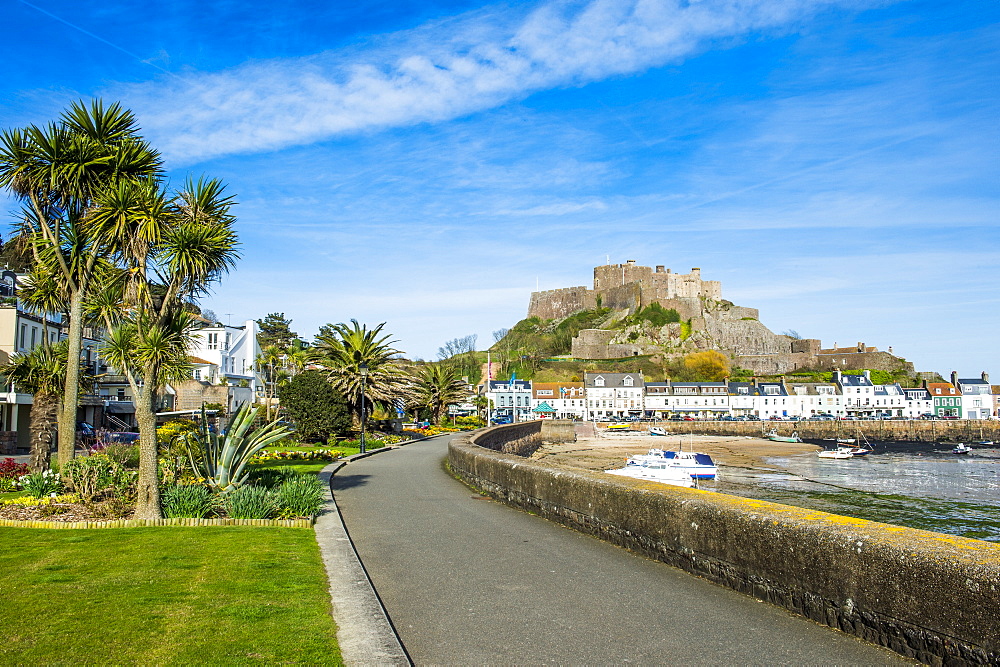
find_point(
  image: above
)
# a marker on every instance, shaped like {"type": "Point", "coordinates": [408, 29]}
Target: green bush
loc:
{"type": "Point", "coordinates": [125, 455]}
{"type": "Point", "coordinates": [301, 495]}
{"type": "Point", "coordinates": [249, 502]}
{"type": "Point", "coordinates": [657, 315]}
{"type": "Point", "coordinates": [186, 500]}
{"type": "Point", "coordinates": [89, 475]}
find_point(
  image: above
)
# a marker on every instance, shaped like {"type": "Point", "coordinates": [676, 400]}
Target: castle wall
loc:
{"type": "Point", "coordinates": [559, 303]}
{"type": "Point", "coordinates": [876, 361]}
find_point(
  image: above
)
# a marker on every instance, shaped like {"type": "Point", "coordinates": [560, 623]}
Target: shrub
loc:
{"type": "Point", "coordinates": [300, 495]}
{"type": "Point", "coordinates": [123, 454]}
{"type": "Point", "coordinates": [186, 500]}
{"type": "Point", "coordinates": [314, 406]}
{"type": "Point", "coordinates": [249, 502]}
{"type": "Point", "coordinates": [12, 470]}
{"type": "Point", "coordinates": [7, 485]}
{"type": "Point", "coordinates": [88, 476]}
{"type": "Point", "coordinates": [41, 484]}
{"type": "Point", "coordinates": [28, 501]}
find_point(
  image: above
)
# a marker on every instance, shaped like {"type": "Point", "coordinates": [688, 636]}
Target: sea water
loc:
{"type": "Point", "coordinates": [932, 490]}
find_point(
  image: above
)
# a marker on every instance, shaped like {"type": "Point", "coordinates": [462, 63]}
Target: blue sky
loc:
{"type": "Point", "coordinates": [427, 164]}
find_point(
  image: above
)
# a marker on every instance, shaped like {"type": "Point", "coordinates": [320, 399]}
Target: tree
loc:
{"type": "Point", "coordinates": [315, 407]}
{"type": "Point", "coordinates": [460, 354]}
{"type": "Point", "coordinates": [170, 249]}
{"type": "Point", "coordinates": [41, 372]}
{"type": "Point", "coordinates": [708, 365]}
{"type": "Point", "coordinates": [436, 386]}
{"type": "Point", "coordinates": [343, 348]}
{"type": "Point", "coordinates": [275, 330]}
{"type": "Point", "coordinates": [56, 171]}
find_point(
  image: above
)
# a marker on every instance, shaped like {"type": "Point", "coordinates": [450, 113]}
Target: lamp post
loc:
{"type": "Point", "coordinates": [363, 369]}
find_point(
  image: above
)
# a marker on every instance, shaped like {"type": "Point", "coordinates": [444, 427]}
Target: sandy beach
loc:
{"type": "Point", "coordinates": [607, 450]}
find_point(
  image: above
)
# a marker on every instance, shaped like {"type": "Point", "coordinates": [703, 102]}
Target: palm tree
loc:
{"type": "Point", "coordinates": [41, 372]}
{"type": "Point", "coordinates": [436, 386]}
{"type": "Point", "coordinates": [171, 250]}
{"type": "Point", "coordinates": [56, 171]}
{"type": "Point", "coordinates": [344, 349]}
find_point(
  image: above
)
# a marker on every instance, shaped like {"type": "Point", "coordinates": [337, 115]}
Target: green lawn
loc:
{"type": "Point", "coordinates": [226, 595]}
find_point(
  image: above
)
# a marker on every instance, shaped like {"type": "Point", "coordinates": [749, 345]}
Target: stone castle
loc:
{"type": "Point", "coordinates": [709, 322]}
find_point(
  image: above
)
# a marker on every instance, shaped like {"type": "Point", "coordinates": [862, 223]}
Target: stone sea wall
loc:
{"type": "Point", "coordinates": [932, 597]}
{"type": "Point", "coordinates": [914, 430]}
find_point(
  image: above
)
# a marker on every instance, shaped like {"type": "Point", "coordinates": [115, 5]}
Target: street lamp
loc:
{"type": "Point", "coordinates": [363, 369]}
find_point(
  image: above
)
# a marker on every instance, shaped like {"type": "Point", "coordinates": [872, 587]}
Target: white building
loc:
{"type": "Point", "coordinates": [814, 398]}
{"type": "Point", "coordinates": [613, 395]}
{"type": "Point", "coordinates": [918, 402]}
{"type": "Point", "coordinates": [566, 399]}
{"type": "Point", "coordinates": [224, 354]}
{"type": "Point", "coordinates": [977, 396]}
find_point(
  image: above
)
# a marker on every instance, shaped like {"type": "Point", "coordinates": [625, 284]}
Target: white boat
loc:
{"type": "Point", "coordinates": [961, 448]}
{"type": "Point", "coordinates": [839, 453]}
{"type": "Point", "coordinates": [620, 426]}
{"type": "Point", "coordinates": [984, 443]}
{"type": "Point", "coordinates": [846, 441]}
{"type": "Point", "coordinates": [773, 435]}
{"type": "Point", "coordinates": [696, 464]}
{"type": "Point", "coordinates": [658, 430]}
{"type": "Point", "coordinates": [656, 471]}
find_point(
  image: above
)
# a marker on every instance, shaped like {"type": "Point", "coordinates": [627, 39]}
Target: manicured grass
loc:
{"type": "Point", "coordinates": [300, 466]}
{"type": "Point", "coordinates": [227, 595]}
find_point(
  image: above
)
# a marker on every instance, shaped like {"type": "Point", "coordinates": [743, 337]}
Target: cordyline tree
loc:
{"type": "Point", "coordinates": [169, 250]}
{"type": "Point", "coordinates": [57, 171]}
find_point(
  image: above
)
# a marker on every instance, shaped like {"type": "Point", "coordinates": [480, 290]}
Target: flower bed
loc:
{"type": "Point", "coordinates": [312, 455]}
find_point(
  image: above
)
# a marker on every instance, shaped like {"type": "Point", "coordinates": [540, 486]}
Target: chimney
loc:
{"type": "Point", "coordinates": [986, 377]}
{"type": "Point", "coordinates": [954, 379]}
{"type": "Point", "coordinates": [836, 375]}
{"type": "Point", "coordinates": [890, 349]}
{"type": "Point", "coordinates": [861, 346]}
{"type": "Point", "coordinates": [923, 383]}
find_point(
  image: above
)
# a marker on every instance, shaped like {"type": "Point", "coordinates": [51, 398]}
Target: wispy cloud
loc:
{"type": "Point", "coordinates": [438, 72]}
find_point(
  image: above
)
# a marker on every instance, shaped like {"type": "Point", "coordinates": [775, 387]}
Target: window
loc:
{"type": "Point", "coordinates": [24, 334]}
{"type": "Point", "coordinates": [213, 341]}
{"type": "Point", "coordinates": [627, 381]}
{"type": "Point", "coordinates": [227, 340]}
{"type": "Point", "coordinates": [598, 381]}
{"type": "Point", "coordinates": [34, 336]}
{"type": "Point", "coordinates": [197, 374]}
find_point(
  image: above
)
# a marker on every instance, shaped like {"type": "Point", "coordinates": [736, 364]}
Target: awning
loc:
{"type": "Point", "coordinates": [119, 407]}
{"type": "Point", "coordinates": [544, 407]}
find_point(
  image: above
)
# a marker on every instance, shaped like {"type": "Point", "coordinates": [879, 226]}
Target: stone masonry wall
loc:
{"type": "Point", "coordinates": [559, 303]}
{"type": "Point", "coordinates": [934, 598]}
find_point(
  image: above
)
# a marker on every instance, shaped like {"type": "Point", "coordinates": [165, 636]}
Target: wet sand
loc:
{"type": "Point", "coordinates": [609, 450]}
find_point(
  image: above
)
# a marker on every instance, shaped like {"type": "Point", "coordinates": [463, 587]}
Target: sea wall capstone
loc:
{"type": "Point", "coordinates": [931, 597]}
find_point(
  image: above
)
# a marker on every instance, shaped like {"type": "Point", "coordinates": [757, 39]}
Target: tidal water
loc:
{"type": "Point", "coordinates": [930, 489]}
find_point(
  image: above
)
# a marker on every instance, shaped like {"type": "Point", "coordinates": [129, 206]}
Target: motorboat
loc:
{"type": "Point", "coordinates": [838, 453]}
{"type": "Point", "coordinates": [658, 430]}
{"type": "Point", "coordinates": [621, 426]}
{"type": "Point", "coordinates": [656, 471]}
{"type": "Point", "coordinates": [696, 464]}
{"type": "Point", "coordinates": [961, 448]}
{"type": "Point", "coordinates": [773, 435]}
{"type": "Point", "coordinates": [983, 443]}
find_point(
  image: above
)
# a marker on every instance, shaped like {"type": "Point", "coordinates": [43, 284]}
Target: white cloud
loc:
{"type": "Point", "coordinates": [437, 72]}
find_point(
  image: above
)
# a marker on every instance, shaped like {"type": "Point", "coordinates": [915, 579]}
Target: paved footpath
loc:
{"type": "Point", "coordinates": [467, 580]}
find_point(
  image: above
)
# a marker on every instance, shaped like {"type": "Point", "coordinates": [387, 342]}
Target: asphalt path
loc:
{"type": "Point", "coordinates": [467, 580]}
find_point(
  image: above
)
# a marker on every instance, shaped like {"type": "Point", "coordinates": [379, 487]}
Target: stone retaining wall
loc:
{"type": "Point", "coordinates": [917, 430]}
{"type": "Point", "coordinates": [932, 597]}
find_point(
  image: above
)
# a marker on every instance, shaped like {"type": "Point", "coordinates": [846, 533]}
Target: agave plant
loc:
{"type": "Point", "coordinates": [224, 457]}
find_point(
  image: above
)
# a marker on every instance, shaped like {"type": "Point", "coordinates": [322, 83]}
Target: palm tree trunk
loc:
{"type": "Point", "coordinates": [71, 390]}
{"type": "Point", "coordinates": [148, 501]}
{"type": "Point", "coordinates": [44, 413]}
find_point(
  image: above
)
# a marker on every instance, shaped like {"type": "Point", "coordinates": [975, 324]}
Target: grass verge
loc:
{"type": "Point", "coordinates": [227, 595]}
